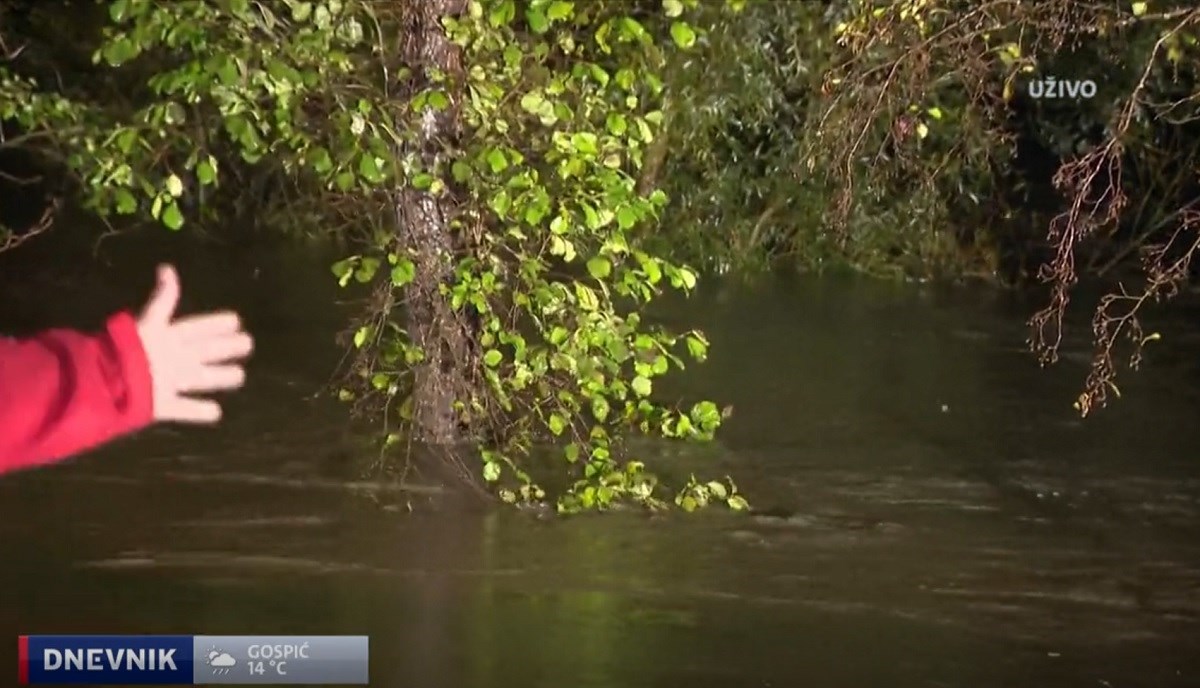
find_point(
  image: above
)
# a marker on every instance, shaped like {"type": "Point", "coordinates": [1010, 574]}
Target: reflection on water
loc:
{"type": "Point", "coordinates": [933, 516]}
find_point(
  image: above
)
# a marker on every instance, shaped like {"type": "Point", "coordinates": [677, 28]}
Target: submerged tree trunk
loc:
{"type": "Point", "coordinates": [424, 228]}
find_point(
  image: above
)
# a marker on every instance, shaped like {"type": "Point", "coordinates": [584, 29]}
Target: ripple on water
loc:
{"type": "Point", "coordinates": [305, 483]}
{"type": "Point", "coordinates": [270, 564]}
{"type": "Point", "coordinates": [260, 522]}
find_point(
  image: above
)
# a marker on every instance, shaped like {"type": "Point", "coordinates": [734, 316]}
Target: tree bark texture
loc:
{"type": "Point", "coordinates": [424, 228]}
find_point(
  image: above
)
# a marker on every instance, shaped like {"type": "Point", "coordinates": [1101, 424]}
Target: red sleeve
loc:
{"type": "Point", "coordinates": [63, 392]}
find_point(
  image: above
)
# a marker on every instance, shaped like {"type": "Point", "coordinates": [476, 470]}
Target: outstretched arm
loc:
{"type": "Point", "coordinates": [65, 392]}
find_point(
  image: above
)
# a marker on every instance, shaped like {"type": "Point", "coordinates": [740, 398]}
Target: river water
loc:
{"type": "Point", "coordinates": [936, 515]}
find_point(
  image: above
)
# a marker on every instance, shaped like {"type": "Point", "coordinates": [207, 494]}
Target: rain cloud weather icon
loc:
{"type": "Point", "coordinates": [221, 662]}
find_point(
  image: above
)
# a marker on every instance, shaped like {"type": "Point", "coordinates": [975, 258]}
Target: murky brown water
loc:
{"type": "Point", "coordinates": [940, 517]}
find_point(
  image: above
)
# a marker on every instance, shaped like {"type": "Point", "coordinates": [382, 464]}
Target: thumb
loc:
{"type": "Point", "coordinates": [161, 307]}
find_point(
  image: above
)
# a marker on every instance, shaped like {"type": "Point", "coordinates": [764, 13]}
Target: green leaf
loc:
{"type": "Point", "coordinates": [538, 23]}
{"type": "Point", "coordinates": [557, 425]}
{"type": "Point", "coordinates": [369, 169]}
{"type": "Point", "coordinates": [120, 51]}
{"type": "Point", "coordinates": [625, 79]}
{"type": "Point", "coordinates": [367, 267]}
{"type": "Point", "coordinates": [343, 266]}
{"type": "Point", "coordinates": [599, 74]}
{"type": "Point", "coordinates": [502, 13]}
{"type": "Point", "coordinates": [322, 18]}
{"type": "Point", "coordinates": [626, 217]}
{"type": "Point", "coordinates": [717, 489]}
{"type": "Point", "coordinates": [500, 203]}
{"type": "Point", "coordinates": [126, 203]}
{"type": "Point", "coordinates": [126, 139]}
{"type": "Point", "coordinates": [600, 408]}
{"type": "Point", "coordinates": [642, 386]}
{"type": "Point", "coordinates": [683, 34]}
{"type": "Point", "coordinates": [706, 415]}
{"type": "Point", "coordinates": [737, 503]}
{"type": "Point", "coordinates": [206, 171]}
{"type": "Point", "coordinates": [661, 365]}
{"type": "Point", "coordinates": [360, 337]}
{"type": "Point", "coordinates": [590, 217]}
{"type": "Point", "coordinates": [174, 186]}
{"type": "Point", "coordinates": [560, 9]}
{"type": "Point", "coordinates": [534, 214]}
{"type": "Point", "coordinates": [172, 217]}
{"type": "Point", "coordinates": [587, 297]}
{"type": "Point", "coordinates": [491, 471]}
{"type": "Point", "coordinates": [617, 125]}
{"type": "Point", "coordinates": [697, 347]}
{"type": "Point", "coordinates": [644, 131]}
{"type": "Point", "coordinates": [683, 427]}
{"type": "Point", "coordinates": [403, 273]}
{"type": "Point", "coordinates": [117, 10]}
{"type": "Point", "coordinates": [301, 11]}
{"type": "Point", "coordinates": [227, 71]}
{"type": "Point", "coordinates": [461, 171]}
{"type": "Point", "coordinates": [492, 358]}
{"type": "Point", "coordinates": [672, 8]}
{"type": "Point", "coordinates": [561, 247]}
{"type": "Point", "coordinates": [585, 142]}
{"type": "Point", "coordinates": [1139, 8]}
{"type": "Point", "coordinates": [599, 267]}
{"type": "Point", "coordinates": [532, 102]}
{"type": "Point", "coordinates": [653, 271]}
{"type": "Point", "coordinates": [688, 278]}
{"type": "Point", "coordinates": [496, 160]}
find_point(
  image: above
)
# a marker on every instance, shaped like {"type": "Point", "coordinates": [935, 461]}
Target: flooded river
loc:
{"type": "Point", "coordinates": [935, 513]}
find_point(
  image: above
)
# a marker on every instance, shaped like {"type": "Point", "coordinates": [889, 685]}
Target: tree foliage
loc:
{"type": "Point", "coordinates": [901, 137]}
{"type": "Point", "coordinates": [493, 148]}
{"type": "Point", "coordinates": [937, 85]}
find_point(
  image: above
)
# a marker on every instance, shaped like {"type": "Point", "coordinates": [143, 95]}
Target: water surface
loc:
{"type": "Point", "coordinates": [937, 514]}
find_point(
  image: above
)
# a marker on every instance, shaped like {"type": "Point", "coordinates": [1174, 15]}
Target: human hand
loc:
{"type": "Point", "coordinates": [193, 355]}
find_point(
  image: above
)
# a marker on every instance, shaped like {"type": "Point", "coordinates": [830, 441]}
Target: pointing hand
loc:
{"type": "Point", "coordinates": [193, 355]}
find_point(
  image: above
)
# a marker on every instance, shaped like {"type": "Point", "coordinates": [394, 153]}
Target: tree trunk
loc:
{"type": "Point", "coordinates": [424, 229]}
{"type": "Point", "coordinates": [655, 156]}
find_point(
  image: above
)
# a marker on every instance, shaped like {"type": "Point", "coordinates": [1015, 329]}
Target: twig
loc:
{"type": "Point", "coordinates": [13, 240]}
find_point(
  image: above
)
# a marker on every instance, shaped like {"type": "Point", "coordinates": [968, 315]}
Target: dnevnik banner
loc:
{"type": "Point", "coordinates": [186, 660]}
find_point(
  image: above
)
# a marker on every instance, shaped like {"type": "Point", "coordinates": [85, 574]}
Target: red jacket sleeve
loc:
{"type": "Point", "coordinates": [63, 392]}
